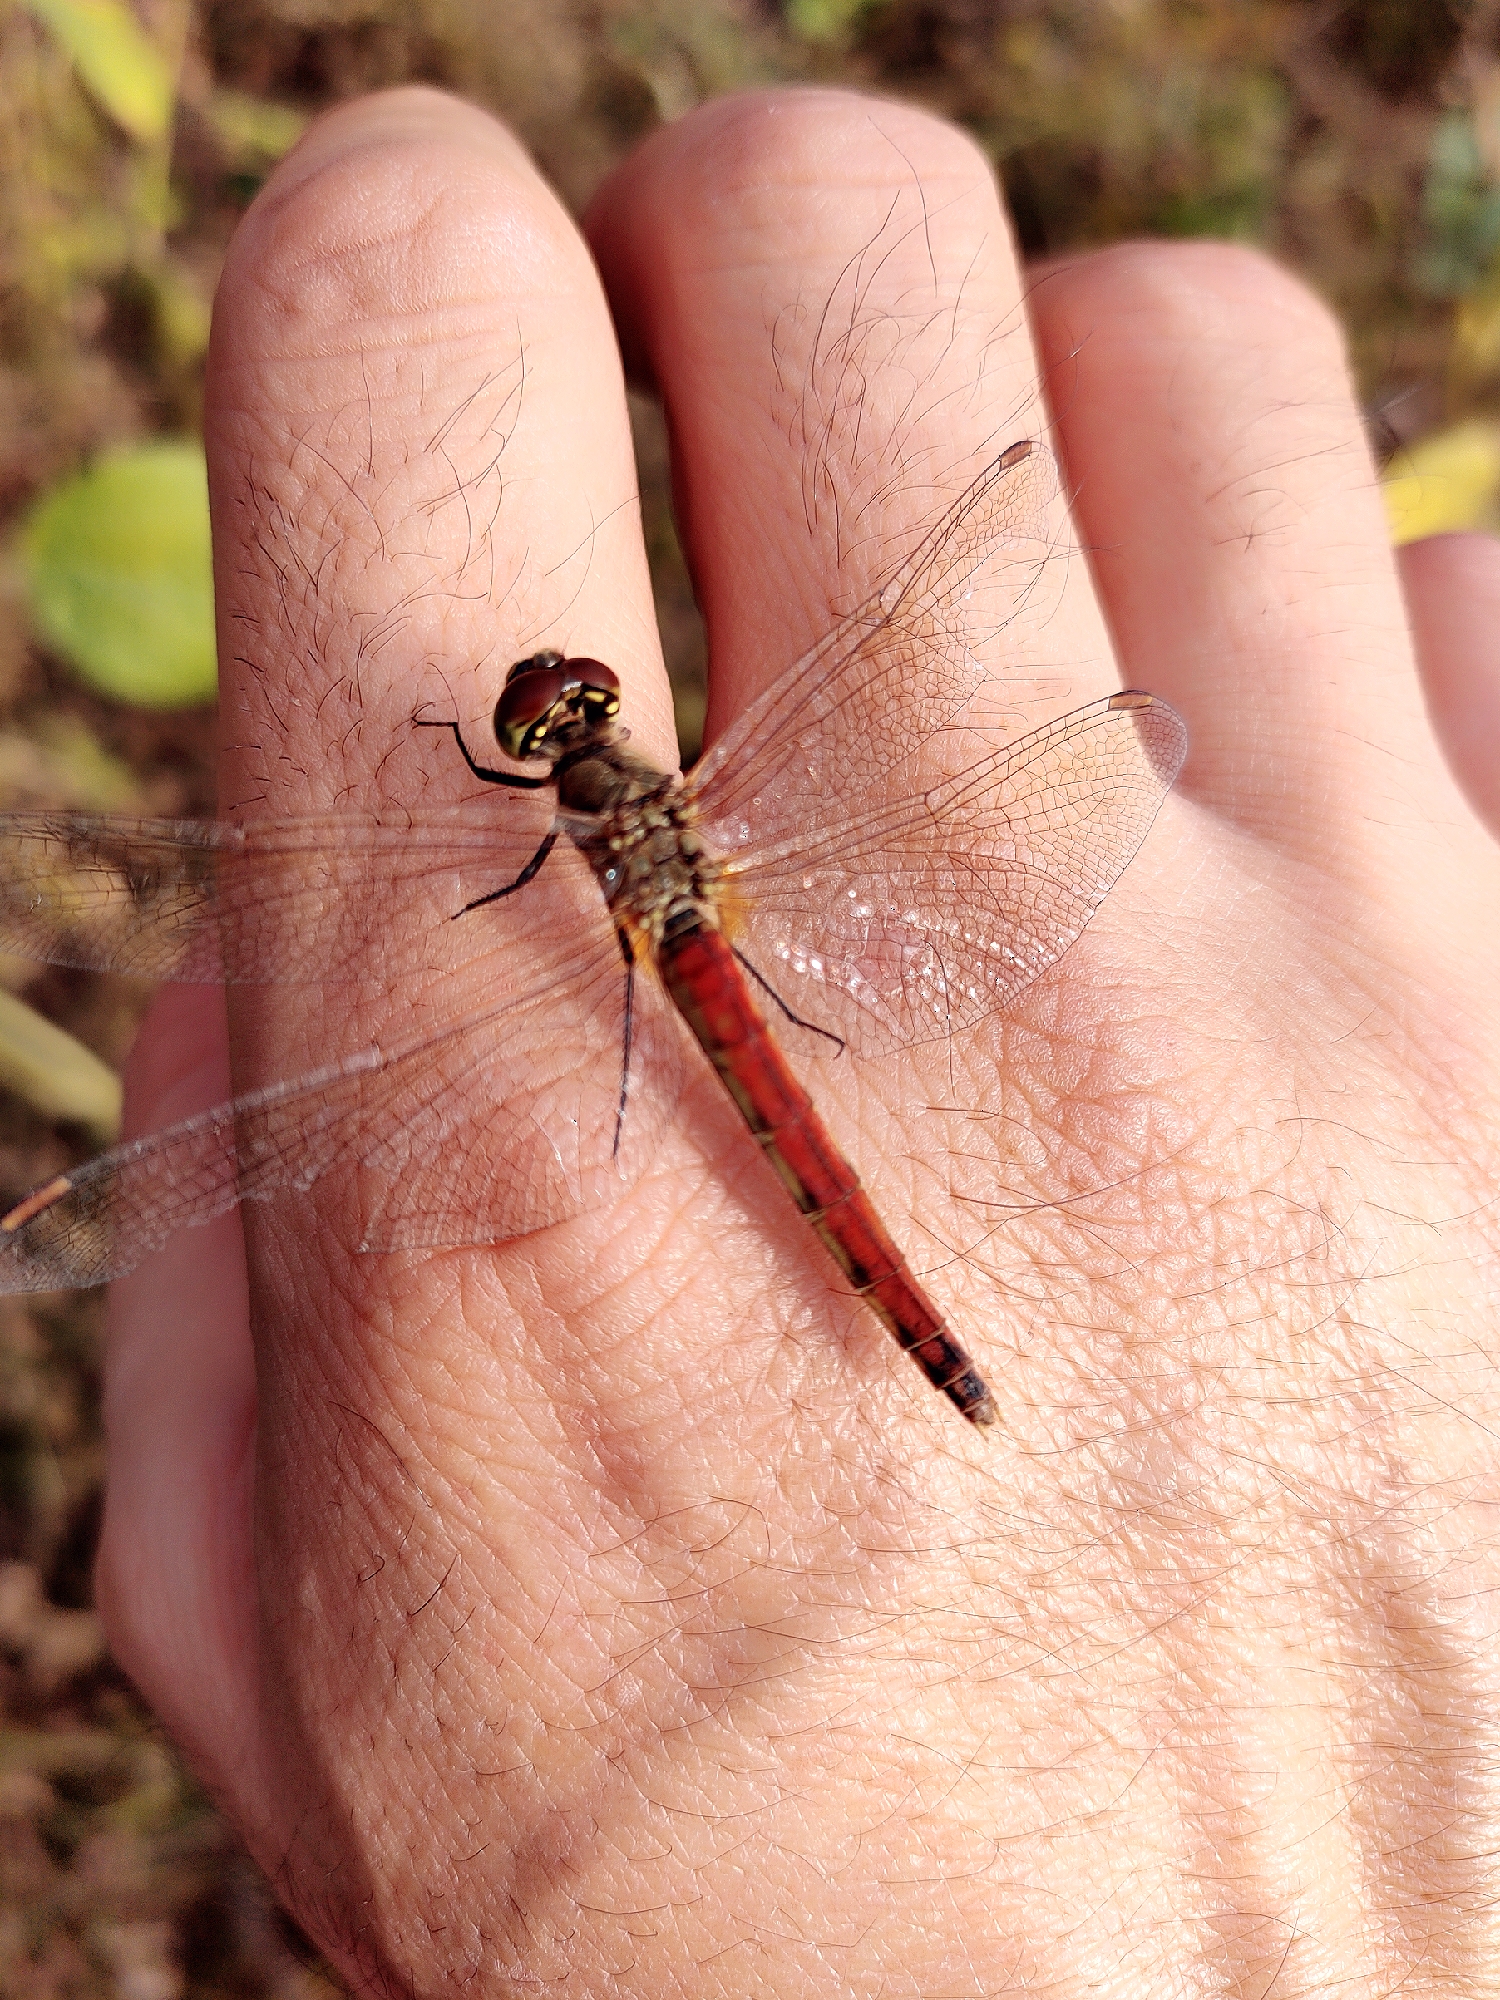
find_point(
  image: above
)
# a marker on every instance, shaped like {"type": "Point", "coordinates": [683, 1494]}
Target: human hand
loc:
{"type": "Point", "coordinates": [617, 1609]}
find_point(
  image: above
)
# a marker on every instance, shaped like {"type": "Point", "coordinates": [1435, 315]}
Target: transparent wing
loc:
{"type": "Point", "coordinates": [471, 1133]}
{"type": "Point", "coordinates": [831, 734]}
{"type": "Point", "coordinates": [924, 916]}
{"type": "Point", "coordinates": [894, 890]}
{"type": "Point", "coordinates": [302, 901]}
{"type": "Point", "coordinates": [915, 886]}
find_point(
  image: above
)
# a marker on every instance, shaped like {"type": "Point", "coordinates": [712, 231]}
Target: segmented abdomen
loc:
{"type": "Point", "coordinates": [709, 988]}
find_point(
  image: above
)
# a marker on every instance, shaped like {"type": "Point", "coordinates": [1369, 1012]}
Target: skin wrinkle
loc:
{"type": "Point", "coordinates": [353, 279]}
{"type": "Point", "coordinates": [1223, 1812]}
{"type": "Point", "coordinates": [1261, 1177]}
{"type": "Point", "coordinates": [1418, 1875]}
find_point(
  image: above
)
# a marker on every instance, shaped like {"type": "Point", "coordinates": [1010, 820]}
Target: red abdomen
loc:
{"type": "Point", "coordinates": [708, 985]}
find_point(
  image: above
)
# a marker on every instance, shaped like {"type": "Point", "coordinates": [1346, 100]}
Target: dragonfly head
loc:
{"type": "Point", "coordinates": [544, 695]}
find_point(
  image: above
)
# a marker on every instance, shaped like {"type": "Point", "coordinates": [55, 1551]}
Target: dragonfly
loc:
{"type": "Point", "coordinates": [819, 881]}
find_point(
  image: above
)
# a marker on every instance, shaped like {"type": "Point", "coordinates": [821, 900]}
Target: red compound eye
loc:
{"type": "Point", "coordinates": [546, 690]}
{"type": "Point", "coordinates": [593, 677]}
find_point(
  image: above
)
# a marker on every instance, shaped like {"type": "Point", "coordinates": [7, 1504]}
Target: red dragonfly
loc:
{"type": "Point", "coordinates": [867, 892]}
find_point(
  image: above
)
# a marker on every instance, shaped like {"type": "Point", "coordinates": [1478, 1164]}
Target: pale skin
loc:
{"type": "Point", "coordinates": [617, 1611]}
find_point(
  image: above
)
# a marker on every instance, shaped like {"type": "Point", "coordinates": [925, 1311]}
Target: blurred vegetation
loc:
{"type": "Point", "coordinates": [1360, 142]}
{"type": "Point", "coordinates": [120, 575]}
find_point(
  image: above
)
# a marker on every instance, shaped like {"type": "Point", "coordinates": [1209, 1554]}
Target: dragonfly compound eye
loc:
{"type": "Point", "coordinates": [547, 658]}
{"type": "Point", "coordinates": [546, 691]}
{"type": "Point", "coordinates": [593, 688]}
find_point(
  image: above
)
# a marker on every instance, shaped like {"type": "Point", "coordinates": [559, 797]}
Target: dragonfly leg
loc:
{"type": "Point", "coordinates": [527, 874]}
{"type": "Point", "coordinates": [627, 950]}
{"type": "Point", "coordinates": [512, 778]}
{"type": "Point", "coordinates": [796, 1019]}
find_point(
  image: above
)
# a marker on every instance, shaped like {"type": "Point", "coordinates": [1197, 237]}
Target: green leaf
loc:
{"type": "Point", "coordinates": [56, 1075]}
{"type": "Point", "coordinates": [64, 764]}
{"type": "Point", "coordinates": [825, 20]}
{"type": "Point", "coordinates": [115, 61]}
{"type": "Point", "coordinates": [120, 577]}
{"type": "Point", "coordinates": [1460, 211]}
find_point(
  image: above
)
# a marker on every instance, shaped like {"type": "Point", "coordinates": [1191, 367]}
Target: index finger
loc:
{"type": "Point", "coordinates": [419, 455]}
{"type": "Point", "coordinates": [420, 469]}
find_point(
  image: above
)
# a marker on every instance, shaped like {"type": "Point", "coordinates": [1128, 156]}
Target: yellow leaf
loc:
{"type": "Point", "coordinates": [251, 128]}
{"type": "Point", "coordinates": [1449, 481]}
{"type": "Point", "coordinates": [56, 1075]}
{"type": "Point", "coordinates": [1476, 330]}
{"type": "Point", "coordinates": [115, 61]}
{"type": "Point", "coordinates": [182, 313]}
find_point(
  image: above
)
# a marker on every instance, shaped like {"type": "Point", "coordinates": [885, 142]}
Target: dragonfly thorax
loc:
{"type": "Point", "coordinates": [632, 822]}
{"type": "Point", "coordinates": [647, 855]}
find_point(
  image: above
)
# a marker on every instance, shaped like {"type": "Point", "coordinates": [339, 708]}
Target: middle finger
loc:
{"type": "Point", "coordinates": [825, 290]}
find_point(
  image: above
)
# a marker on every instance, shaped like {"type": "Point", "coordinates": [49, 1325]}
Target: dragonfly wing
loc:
{"type": "Point", "coordinates": [524, 1117]}
{"type": "Point", "coordinates": [303, 901]}
{"type": "Point", "coordinates": [471, 1133]}
{"type": "Point", "coordinates": [120, 895]}
{"type": "Point", "coordinates": [98, 1222]}
{"type": "Point", "coordinates": [836, 725]}
{"type": "Point", "coordinates": [927, 915]}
